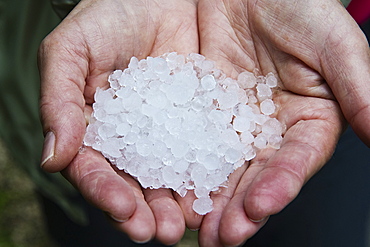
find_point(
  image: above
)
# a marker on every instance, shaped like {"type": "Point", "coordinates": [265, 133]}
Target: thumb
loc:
{"type": "Point", "coordinates": [61, 103]}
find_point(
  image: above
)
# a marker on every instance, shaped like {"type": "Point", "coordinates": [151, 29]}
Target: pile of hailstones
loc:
{"type": "Point", "coordinates": [178, 122]}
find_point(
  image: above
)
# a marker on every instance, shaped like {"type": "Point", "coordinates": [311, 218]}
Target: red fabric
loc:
{"type": "Point", "coordinates": [360, 10]}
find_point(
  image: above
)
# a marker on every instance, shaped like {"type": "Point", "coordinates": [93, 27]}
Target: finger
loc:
{"type": "Point", "coordinates": [62, 103]}
{"type": "Point", "coordinates": [274, 178]}
{"type": "Point", "coordinates": [99, 184]}
{"type": "Point", "coordinates": [170, 223]}
{"type": "Point", "coordinates": [192, 219]}
{"type": "Point", "coordinates": [235, 225]}
{"type": "Point", "coordinates": [209, 231]}
{"type": "Point", "coordinates": [309, 142]}
{"type": "Point", "coordinates": [119, 195]}
{"type": "Point", "coordinates": [141, 226]}
{"type": "Point", "coordinates": [87, 113]}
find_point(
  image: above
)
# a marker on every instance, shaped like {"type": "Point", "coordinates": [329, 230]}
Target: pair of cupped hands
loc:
{"type": "Point", "coordinates": [316, 50]}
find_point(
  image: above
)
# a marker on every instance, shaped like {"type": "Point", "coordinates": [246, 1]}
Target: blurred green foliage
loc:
{"type": "Point", "coordinates": [21, 221]}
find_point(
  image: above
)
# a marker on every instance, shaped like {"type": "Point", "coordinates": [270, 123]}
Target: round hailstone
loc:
{"type": "Point", "coordinates": [111, 148]}
{"type": "Point", "coordinates": [133, 102]}
{"type": "Point", "coordinates": [247, 80]}
{"type": "Point", "coordinates": [157, 99]}
{"type": "Point", "coordinates": [211, 162]}
{"type": "Point", "coordinates": [247, 137]}
{"type": "Point", "coordinates": [144, 147]}
{"type": "Point", "coordinates": [181, 166]}
{"type": "Point", "coordinates": [178, 122]}
{"type": "Point", "coordinates": [130, 138]}
{"type": "Point", "coordinates": [203, 205]}
{"type": "Point", "coordinates": [106, 130]}
{"type": "Point", "coordinates": [208, 82]}
{"type": "Point", "coordinates": [179, 148]}
{"type": "Point", "coordinates": [271, 80]}
{"type": "Point", "coordinates": [275, 141]}
{"type": "Point", "coordinates": [227, 100]}
{"type": "Point", "coordinates": [263, 90]}
{"type": "Point", "coordinates": [241, 124]}
{"type": "Point", "coordinates": [260, 141]}
{"type": "Point", "coordinates": [267, 107]}
{"type": "Point", "coordinates": [122, 129]}
{"type": "Point", "coordinates": [233, 155]}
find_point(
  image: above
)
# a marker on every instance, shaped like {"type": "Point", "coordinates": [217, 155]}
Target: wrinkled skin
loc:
{"type": "Point", "coordinates": [319, 55]}
{"type": "Point", "coordinates": [98, 37]}
{"type": "Point", "coordinates": [322, 61]}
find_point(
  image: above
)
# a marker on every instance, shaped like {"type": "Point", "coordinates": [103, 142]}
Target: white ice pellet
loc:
{"type": "Point", "coordinates": [146, 181]}
{"type": "Point", "coordinates": [241, 124]}
{"type": "Point", "coordinates": [232, 155]}
{"type": "Point", "coordinates": [168, 174]}
{"type": "Point", "coordinates": [217, 117]}
{"type": "Point", "coordinates": [160, 117]}
{"type": "Point", "coordinates": [203, 205]}
{"type": "Point", "coordinates": [181, 166]}
{"type": "Point", "coordinates": [260, 141]}
{"type": "Point", "coordinates": [247, 137]}
{"type": "Point", "coordinates": [132, 102]}
{"type": "Point", "coordinates": [246, 80]}
{"type": "Point", "coordinates": [230, 137]}
{"type": "Point", "coordinates": [201, 192]}
{"type": "Point", "coordinates": [190, 156]}
{"type": "Point", "coordinates": [227, 100]}
{"type": "Point", "coordinates": [179, 94]}
{"type": "Point", "coordinates": [275, 141]}
{"type": "Point", "coordinates": [157, 99]}
{"type": "Point", "coordinates": [130, 138]}
{"type": "Point", "coordinates": [208, 82]}
{"type": "Point", "coordinates": [267, 107]}
{"type": "Point", "coordinates": [157, 65]}
{"type": "Point", "coordinates": [111, 148]}
{"type": "Point", "coordinates": [249, 152]}
{"type": "Point", "coordinates": [263, 90]}
{"type": "Point", "coordinates": [271, 80]}
{"type": "Point", "coordinates": [113, 106]}
{"type": "Point", "coordinates": [159, 149]}
{"type": "Point", "coordinates": [179, 148]}
{"type": "Point", "coordinates": [144, 147]}
{"type": "Point", "coordinates": [178, 122]}
{"type": "Point", "coordinates": [122, 129]}
{"type": "Point", "coordinates": [211, 162]}
{"type": "Point", "coordinates": [272, 127]}
{"type": "Point", "coordinates": [106, 130]}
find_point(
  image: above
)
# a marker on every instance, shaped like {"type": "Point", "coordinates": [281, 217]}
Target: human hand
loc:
{"type": "Point", "coordinates": [322, 61]}
{"type": "Point", "coordinates": [96, 38]}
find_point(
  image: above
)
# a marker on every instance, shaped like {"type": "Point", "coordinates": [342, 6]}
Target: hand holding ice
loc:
{"type": "Point", "coordinates": [178, 122]}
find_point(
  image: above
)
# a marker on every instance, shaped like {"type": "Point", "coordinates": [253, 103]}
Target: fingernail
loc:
{"type": "Point", "coordinates": [141, 242]}
{"type": "Point", "coordinates": [238, 245]}
{"type": "Point", "coordinates": [116, 219]}
{"type": "Point", "coordinates": [48, 149]}
{"type": "Point", "coordinates": [260, 220]}
{"type": "Point", "coordinates": [194, 230]}
{"type": "Point", "coordinates": [87, 118]}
